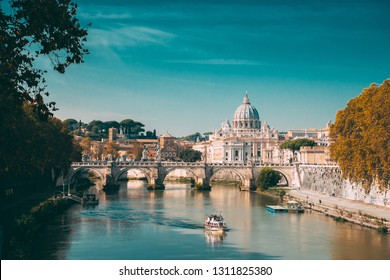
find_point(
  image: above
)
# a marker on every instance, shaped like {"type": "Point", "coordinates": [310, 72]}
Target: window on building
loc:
{"type": "Point", "coordinates": [236, 153]}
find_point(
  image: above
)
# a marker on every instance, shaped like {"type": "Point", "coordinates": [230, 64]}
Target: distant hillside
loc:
{"type": "Point", "coordinates": [195, 136]}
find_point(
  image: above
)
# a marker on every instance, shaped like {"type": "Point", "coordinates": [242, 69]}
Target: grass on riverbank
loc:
{"type": "Point", "coordinates": [24, 229]}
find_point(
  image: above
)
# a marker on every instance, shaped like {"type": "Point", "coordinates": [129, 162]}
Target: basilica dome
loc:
{"type": "Point", "coordinates": [246, 116]}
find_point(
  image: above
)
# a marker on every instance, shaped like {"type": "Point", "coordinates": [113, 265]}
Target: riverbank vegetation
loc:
{"type": "Point", "coordinates": [361, 134]}
{"type": "Point", "coordinates": [226, 182]}
{"type": "Point", "coordinates": [268, 178]}
{"type": "Point", "coordinates": [25, 228]}
{"type": "Point", "coordinates": [35, 146]}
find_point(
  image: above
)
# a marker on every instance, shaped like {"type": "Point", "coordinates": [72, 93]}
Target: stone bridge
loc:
{"type": "Point", "coordinates": [201, 172]}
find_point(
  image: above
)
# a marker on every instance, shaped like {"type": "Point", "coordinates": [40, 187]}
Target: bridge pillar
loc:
{"type": "Point", "coordinates": [249, 185]}
{"type": "Point", "coordinates": [203, 184]}
{"type": "Point", "coordinates": [156, 184]}
{"type": "Point", "coordinates": [109, 183]}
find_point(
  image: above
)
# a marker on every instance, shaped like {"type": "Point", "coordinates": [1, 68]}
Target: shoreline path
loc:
{"type": "Point", "coordinates": [342, 203]}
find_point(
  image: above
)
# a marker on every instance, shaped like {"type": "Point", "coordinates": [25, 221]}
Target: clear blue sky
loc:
{"type": "Point", "coordinates": [184, 66]}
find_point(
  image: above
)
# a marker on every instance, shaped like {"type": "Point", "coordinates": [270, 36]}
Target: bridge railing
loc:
{"type": "Point", "coordinates": [179, 163]}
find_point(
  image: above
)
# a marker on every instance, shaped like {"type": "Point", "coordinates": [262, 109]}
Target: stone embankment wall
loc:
{"type": "Point", "coordinates": [328, 179]}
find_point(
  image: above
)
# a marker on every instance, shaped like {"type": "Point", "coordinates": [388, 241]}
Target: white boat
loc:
{"type": "Point", "coordinates": [215, 222]}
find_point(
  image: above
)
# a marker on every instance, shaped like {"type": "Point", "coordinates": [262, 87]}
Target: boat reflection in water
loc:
{"type": "Point", "coordinates": [214, 237]}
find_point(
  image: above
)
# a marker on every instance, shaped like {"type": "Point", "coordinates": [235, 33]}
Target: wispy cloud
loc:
{"type": "Point", "coordinates": [128, 36]}
{"type": "Point", "coordinates": [102, 15]}
{"type": "Point", "coordinates": [218, 62]}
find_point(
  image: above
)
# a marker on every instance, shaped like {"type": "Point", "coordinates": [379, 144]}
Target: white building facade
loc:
{"type": "Point", "coordinates": [246, 140]}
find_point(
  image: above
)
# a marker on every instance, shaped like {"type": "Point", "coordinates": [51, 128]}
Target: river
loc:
{"type": "Point", "coordinates": [138, 224]}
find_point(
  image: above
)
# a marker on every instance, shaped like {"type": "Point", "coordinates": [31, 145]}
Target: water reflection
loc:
{"type": "Point", "coordinates": [135, 223]}
{"type": "Point", "coordinates": [214, 237]}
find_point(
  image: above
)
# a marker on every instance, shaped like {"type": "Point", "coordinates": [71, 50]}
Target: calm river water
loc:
{"type": "Point", "coordinates": [139, 224]}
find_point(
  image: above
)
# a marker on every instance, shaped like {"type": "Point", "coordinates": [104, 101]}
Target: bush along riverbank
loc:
{"type": "Point", "coordinates": [20, 243]}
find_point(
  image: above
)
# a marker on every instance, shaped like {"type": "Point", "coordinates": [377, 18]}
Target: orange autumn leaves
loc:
{"type": "Point", "coordinates": [361, 137]}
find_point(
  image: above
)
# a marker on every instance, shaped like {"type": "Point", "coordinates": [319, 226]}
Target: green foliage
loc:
{"type": "Point", "coordinates": [33, 143]}
{"type": "Point", "coordinates": [192, 137]}
{"type": "Point", "coordinates": [190, 155]}
{"type": "Point", "coordinates": [71, 124]}
{"type": "Point", "coordinates": [339, 219]}
{"type": "Point", "coordinates": [281, 193]}
{"type": "Point", "coordinates": [131, 127]}
{"type": "Point", "coordinates": [30, 29]}
{"type": "Point", "coordinates": [21, 244]}
{"type": "Point", "coordinates": [267, 178]}
{"type": "Point", "coordinates": [383, 229]}
{"type": "Point", "coordinates": [296, 144]}
{"type": "Point", "coordinates": [361, 134]}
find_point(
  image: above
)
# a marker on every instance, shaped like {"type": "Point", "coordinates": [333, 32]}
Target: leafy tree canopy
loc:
{"type": "Point", "coordinates": [190, 155]}
{"type": "Point", "coordinates": [31, 29]}
{"type": "Point", "coordinates": [33, 142]}
{"type": "Point", "coordinates": [296, 144]}
{"type": "Point", "coordinates": [268, 178]}
{"type": "Point", "coordinates": [361, 137]}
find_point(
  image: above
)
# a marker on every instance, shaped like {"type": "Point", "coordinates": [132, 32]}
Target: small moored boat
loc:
{"type": "Point", "coordinates": [291, 207]}
{"type": "Point", "coordinates": [89, 199]}
{"type": "Point", "coordinates": [276, 209]}
{"type": "Point", "coordinates": [294, 207]}
{"type": "Point", "coordinates": [215, 222]}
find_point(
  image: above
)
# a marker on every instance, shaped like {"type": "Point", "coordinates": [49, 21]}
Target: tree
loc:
{"type": "Point", "coordinates": [190, 155]}
{"type": "Point", "coordinates": [361, 137]}
{"type": "Point", "coordinates": [34, 143]}
{"type": "Point", "coordinates": [112, 149]}
{"type": "Point", "coordinates": [126, 125]}
{"type": "Point", "coordinates": [268, 178]}
{"type": "Point", "coordinates": [76, 154]}
{"type": "Point", "coordinates": [71, 124]}
{"type": "Point", "coordinates": [192, 137]}
{"type": "Point", "coordinates": [150, 134]}
{"type": "Point", "coordinates": [30, 29]}
{"type": "Point", "coordinates": [86, 145]}
{"type": "Point", "coordinates": [296, 144]}
{"type": "Point", "coordinates": [110, 124]}
{"type": "Point", "coordinates": [131, 127]}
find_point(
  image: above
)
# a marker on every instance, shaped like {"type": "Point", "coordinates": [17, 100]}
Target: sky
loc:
{"type": "Point", "coordinates": [185, 66]}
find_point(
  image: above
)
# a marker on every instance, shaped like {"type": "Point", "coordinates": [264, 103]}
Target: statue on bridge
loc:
{"type": "Point", "coordinates": [144, 157]}
{"type": "Point", "coordinates": [158, 156]}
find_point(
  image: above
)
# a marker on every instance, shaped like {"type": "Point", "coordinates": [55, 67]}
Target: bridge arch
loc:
{"type": "Point", "coordinates": [285, 180]}
{"type": "Point", "coordinates": [194, 173]}
{"type": "Point", "coordinates": [240, 175]}
{"type": "Point", "coordinates": [71, 176]}
{"type": "Point", "coordinates": [145, 171]}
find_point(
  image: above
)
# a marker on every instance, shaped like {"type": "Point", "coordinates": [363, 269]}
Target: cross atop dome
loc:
{"type": "Point", "coordinates": [246, 98]}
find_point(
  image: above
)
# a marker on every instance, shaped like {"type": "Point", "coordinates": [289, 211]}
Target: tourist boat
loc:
{"type": "Point", "coordinates": [89, 200]}
{"type": "Point", "coordinates": [294, 207]}
{"type": "Point", "coordinates": [215, 222]}
{"type": "Point", "coordinates": [291, 207]}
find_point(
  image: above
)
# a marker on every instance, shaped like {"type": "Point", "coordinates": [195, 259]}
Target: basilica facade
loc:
{"type": "Point", "coordinates": [246, 140]}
